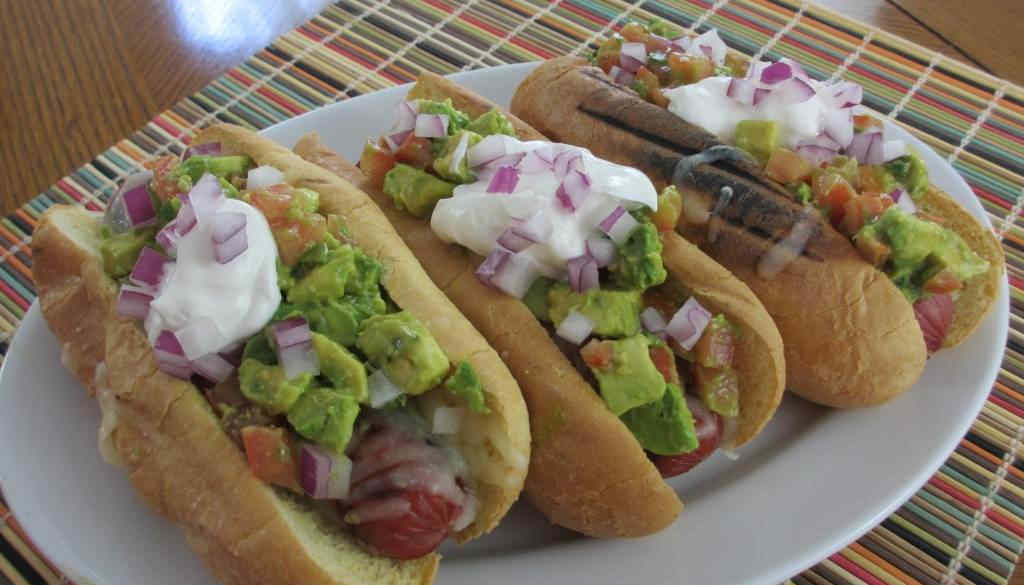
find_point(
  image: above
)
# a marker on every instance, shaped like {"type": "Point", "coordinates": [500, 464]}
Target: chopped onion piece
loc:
{"type": "Point", "coordinates": [489, 149]}
{"type": "Point", "coordinates": [447, 420]}
{"type": "Point", "coordinates": [775, 73]}
{"type": "Point", "coordinates": [138, 205]}
{"type": "Point", "coordinates": [133, 301]}
{"type": "Point", "coordinates": [395, 141]}
{"type": "Point", "coordinates": [567, 161]}
{"type": "Point", "coordinates": [619, 225]}
{"type": "Point", "coordinates": [583, 274]}
{"type": "Point", "coordinates": [861, 145]}
{"type": "Point", "coordinates": [201, 149]}
{"type": "Point", "coordinates": [876, 151]}
{"type": "Point", "coordinates": [823, 141]}
{"type": "Point", "coordinates": [816, 154]}
{"type": "Point", "coordinates": [653, 320]}
{"type": "Point", "coordinates": [742, 90]}
{"type": "Point", "coordinates": [621, 76]}
{"type": "Point", "coordinates": [298, 359]}
{"type": "Point", "coordinates": [116, 216]}
{"type": "Point", "coordinates": [538, 160]}
{"type": "Point", "coordinates": [513, 241]}
{"type": "Point", "coordinates": [602, 250]}
{"type": "Point", "coordinates": [213, 367]}
{"type": "Point", "coordinates": [206, 196]}
{"type": "Point", "coordinates": [186, 219]}
{"type": "Point", "coordinates": [847, 94]}
{"type": "Point", "coordinates": [838, 125]}
{"type": "Point", "coordinates": [575, 328]}
{"type": "Point", "coordinates": [574, 189]}
{"type": "Point", "coordinates": [504, 180]}
{"type": "Point", "coordinates": [494, 262]}
{"type": "Point", "coordinates": [382, 389]}
{"type": "Point", "coordinates": [291, 332]}
{"type": "Point", "coordinates": [793, 91]}
{"type": "Point", "coordinates": [516, 275]}
{"type": "Point", "coordinates": [904, 201]}
{"type": "Point", "coordinates": [795, 67]}
{"type": "Point", "coordinates": [460, 154]}
{"type": "Point", "coordinates": [168, 236]}
{"type": "Point", "coordinates": [149, 268]}
{"type": "Point", "coordinates": [710, 45]}
{"type": "Point", "coordinates": [170, 357]}
{"type": "Point", "coordinates": [324, 475]}
{"type": "Point", "coordinates": [893, 149]}
{"type": "Point", "coordinates": [405, 116]}
{"type": "Point", "coordinates": [227, 224]}
{"type": "Point", "coordinates": [688, 324]}
{"type": "Point", "coordinates": [262, 177]}
{"type": "Point", "coordinates": [632, 56]}
{"type": "Point", "coordinates": [231, 248]}
{"type": "Point", "coordinates": [431, 125]}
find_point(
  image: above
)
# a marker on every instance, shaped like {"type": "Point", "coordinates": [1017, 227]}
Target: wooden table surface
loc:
{"type": "Point", "coordinates": [82, 74]}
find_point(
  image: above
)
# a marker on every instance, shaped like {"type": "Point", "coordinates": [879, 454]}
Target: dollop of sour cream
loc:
{"type": "Point", "coordinates": [209, 305]}
{"type": "Point", "coordinates": [474, 218]}
{"type": "Point", "coordinates": [705, 104]}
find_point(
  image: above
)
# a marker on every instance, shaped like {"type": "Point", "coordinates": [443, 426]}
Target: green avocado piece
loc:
{"type": "Point", "coordinates": [802, 192]}
{"type": "Point", "coordinates": [536, 298]}
{"type": "Point", "coordinates": [325, 416]}
{"type": "Point", "coordinates": [267, 386]}
{"type": "Point", "coordinates": [465, 384]}
{"type": "Point", "coordinates": [909, 171]}
{"type": "Point", "coordinates": [615, 313]}
{"type": "Point", "coordinates": [758, 137]}
{"type": "Point", "coordinates": [414, 190]}
{"type": "Point", "coordinates": [366, 280]}
{"type": "Point", "coordinates": [456, 119]}
{"type": "Point", "coordinates": [666, 426]}
{"type": "Point", "coordinates": [167, 210]}
{"type": "Point", "coordinates": [493, 122]}
{"type": "Point", "coordinates": [326, 281]}
{"type": "Point", "coordinates": [120, 251]}
{"type": "Point", "coordinates": [343, 369]}
{"type": "Point", "coordinates": [224, 167]}
{"type": "Point", "coordinates": [454, 145]}
{"type": "Point", "coordinates": [631, 379]}
{"type": "Point", "coordinates": [639, 264]}
{"type": "Point", "coordinates": [304, 202]}
{"type": "Point", "coordinates": [401, 346]}
{"type": "Point", "coordinates": [920, 250]}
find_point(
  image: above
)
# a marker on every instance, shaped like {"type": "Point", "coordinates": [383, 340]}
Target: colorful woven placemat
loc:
{"type": "Point", "coordinates": [965, 526]}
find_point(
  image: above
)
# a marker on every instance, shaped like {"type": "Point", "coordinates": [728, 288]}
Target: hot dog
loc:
{"type": "Point", "coordinates": [600, 447]}
{"type": "Point", "coordinates": [276, 372]}
{"type": "Point", "coordinates": [854, 334]}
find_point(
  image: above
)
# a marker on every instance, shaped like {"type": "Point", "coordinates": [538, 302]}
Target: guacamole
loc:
{"type": "Point", "coordinates": [415, 190]}
{"type": "Point", "coordinates": [453, 150]}
{"type": "Point", "coordinates": [120, 251]}
{"type": "Point", "coordinates": [664, 427]}
{"type": "Point", "coordinates": [401, 346]}
{"type": "Point", "coordinates": [493, 122]}
{"type": "Point", "coordinates": [639, 264]}
{"type": "Point", "coordinates": [465, 384]}
{"type": "Point", "coordinates": [615, 313]}
{"type": "Point", "coordinates": [325, 416]}
{"type": "Point", "coordinates": [909, 171]}
{"type": "Point", "coordinates": [456, 119]}
{"type": "Point", "coordinates": [631, 378]}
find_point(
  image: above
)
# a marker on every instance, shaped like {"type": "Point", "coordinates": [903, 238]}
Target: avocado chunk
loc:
{"type": "Point", "coordinates": [465, 384]}
{"type": "Point", "coordinates": [493, 122]}
{"type": "Point", "coordinates": [639, 264]}
{"type": "Point", "coordinates": [414, 190]}
{"type": "Point", "coordinates": [304, 202]}
{"type": "Point", "coordinates": [909, 171]}
{"type": "Point", "coordinates": [921, 249]}
{"type": "Point", "coordinates": [326, 281]}
{"type": "Point", "coordinates": [452, 163]}
{"type": "Point", "coordinates": [268, 387]}
{"type": "Point", "coordinates": [343, 369]}
{"type": "Point", "coordinates": [401, 346]}
{"type": "Point", "coordinates": [666, 426]}
{"type": "Point", "coordinates": [456, 119]}
{"type": "Point", "coordinates": [188, 172]}
{"type": "Point", "coordinates": [630, 379]}
{"type": "Point", "coordinates": [758, 137]}
{"type": "Point", "coordinates": [121, 251]}
{"type": "Point", "coordinates": [719, 389]}
{"type": "Point", "coordinates": [536, 297]}
{"type": "Point", "coordinates": [325, 416]}
{"type": "Point", "coordinates": [615, 313]}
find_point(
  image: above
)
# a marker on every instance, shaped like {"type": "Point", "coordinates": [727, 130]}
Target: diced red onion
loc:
{"type": "Point", "coordinates": [776, 73]}
{"type": "Point", "coordinates": [460, 154]}
{"type": "Point", "coordinates": [168, 236]}
{"type": "Point", "coordinates": [621, 76]}
{"type": "Point", "coordinates": [795, 67]}
{"type": "Point", "coordinates": [382, 389]}
{"type": "Point", "coordinates": [862, 144]}
{"type": "Point", "coordinates": [893, 149]}
{"type": "Point", "coordinates": [659, 43]}
{"type": "Point", "coordinates": [395, 140]}
{"type": "Point", "coordinates": [206, 196]}
{"type": "Point", "coordinates": [199, 337]}
{"type": "Point", "coordinates": [227, 224]}
{"type": "Point", "coordinates": [516, 275]}
{"type": "Point", "coordinates": [760, 94]}
{"type": "Point", "coordinates": [537, 228]}
{"type": "Point", "coordinates": [138, 205]}
{"type": "Point", "coordinates": [567, 161]}
{"type": "Point", "coordinates": [847, 94]}
{"type": "Point", "coordinates": [682, 42]}
{"type": "Point", "coordinates": [816, 154]}
{"type": "Point", "coordinates": [838, 125]}
{"type": "Point", "coordinates": [619, 225]}
{"type": "Point", "coordinates": [821, 140]}
{"type": "Point", "coordinates": [575, 328]}
{"type": "Point", "coordinates": [133, 301]}
{"type": "Point", "coordinates": [231, 248]}
{"type": "Point", "coordinates": [793, 91]}
{"type": "Point", "coordinates": [170, 357]}
{"type": "Point", "coordinates": [262, 177]}
{"type": "Point", "coordinates": [291, 332]}
{"type": "Point", "coordinates": [504, 180]}
{"type": "Point", "coordinates": [201, 149]}
{"type": "Point", "coordinates": [583, 273]}
{"type": "Point", "coordinates": [904, 201]}
{"type": "Point", "coordinates": [298, 359]}
{"type": "Point", "coordinates": [405, 116]}
{"type": "Point", "coordinates": [374, 510]}
{"type": "Point", "coordinates": [186, 219]}
{"type": "Point", "coordinates": [742, 90]}
{"type": "Point", "coordinates": [688, 324]}
{"type": "Point", "coordinates": [633, 56]}
{"type": "Point", "coordinates": [537, 160]}
{"type": "Point", "coordinates": [511, 240]}
{"type": "Point", "coordinates": [653, 320]}
{"type": "Point", "coordinates": [431, 125]}
{"type": "Point", "coordinates": [324, 475]}
{"type": "Point", "coordinates": [149, 268]}
{"type": "Point", "coordinates": [711, 45]}
{"type": "Point", "coordinates": [494, 262]}
{"type": "Point", "coordinates": [213, 367]}
{"type": "Point", "coordinates": [447, 420]}
{"type": "Point", "coordinates": [574, 189]}
{"type": "Point", "coordinates": [602, 250]}
{"type": "Point", "coordinates": [754, 69]}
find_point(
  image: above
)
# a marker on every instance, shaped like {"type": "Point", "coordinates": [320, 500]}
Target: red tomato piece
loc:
{"type": "Point", "coordinates": [709, 433]}
{"type": "Point", "coordinates": [417, 533]}
{"type": "Point", "coordinates": [271, 456]}
{"type": "Point", "coordinates": [652, 86]}
{"type": "Point", "coordinates": [934, 315]}
{"type": "Point", "coordinates": [665, 361]}
{"type": "Point", "coordinates": [689, 68]}
{"type": "Point", "coordinates": [598, 354]}
{"type": "Point", "coordinates": [415, 151]}
{"type": "Point", "coordinates": [716, 345]}
{"type": "Point", "coordinates": [273, 202]}
{"type": "Point", "coordinates": [375, 162]}
{"type": "Point", "coordinates": [943, 282]}
{"type": "Point", "coordinates": [786, 166]}
{"type": "Point", "coordinates": [635, 32]}
{"type": "Point", "coordinates": [161, 185]}
{"type": "Point", "coordinates": [862, 122]}
{"type": "Point", "coordinates": [832, 191]}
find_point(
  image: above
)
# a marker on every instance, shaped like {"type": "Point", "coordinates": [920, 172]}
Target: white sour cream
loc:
{"type": "Point", "coordinates": [474, 218]}
{"type": "Point", "coordinates": [705, 104]}
{"type": "Point", "coordinates": [211, 305]}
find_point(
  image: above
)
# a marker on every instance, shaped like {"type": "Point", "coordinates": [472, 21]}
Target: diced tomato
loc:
{"type": "Point", "coordinates": [598, 354]}
{"type": "Point", "coordinates": [609, 53]}
{"type": "Point", "coordinates": [273, 202]}
{"type": "Point", "coordinates": [414, 534]}
{"type": "Point", "coordinates": [670, 205]}
{"type": "Point", "coordinates": [786, 166]}
{"type": "Point", "coordinates": [294, 232]}
{"type": "Point", "coordinates": [415, 151]}
{"type": "Point", "coordinates": [716, 345]}
{"type": "Point", "coordinates": [271, 455]}
{"type": "Point", "coordinates": [832, 192]}
{"type": "Point", "coordinates": [665, 361]}
{"type": "Point", "coordinates": [934, 315]}
{"type": "Point", "coordinates": [709, 433]}
{"type": "Point", "coordinates": [858, 211]}
{"type": "Point", "coordinates": [862, 122]}
{"type": "Point", "coordinates": [689, 68]}
{"type": "Point", "coordinates": [873, 250]}
{"type": "Point", "coordinates": [737, 62]}
{"type": "Point", "coordinates": [943, 282]}
{"type": "Point", "coordinates": [653, 87]}
{"type": "Point", "coordinates": [871, 178]}
{"type": "Point", "coordinates": [161, 185]}
{"type": "Point", "coordinates": [635, 32]}
{"type": "Point", "coordinates": [718, 388]}
{"type": "Point", "coordinates": [375, 162]}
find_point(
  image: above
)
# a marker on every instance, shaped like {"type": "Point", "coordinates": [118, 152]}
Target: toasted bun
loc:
{"type": "Point", "coordinates": [582, 489]}
{"type": "Point", "coordinates": [184, 467]}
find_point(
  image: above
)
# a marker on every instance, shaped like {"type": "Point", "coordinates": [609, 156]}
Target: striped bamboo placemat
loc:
{"type": "Point", "coordinates": [965, 526]}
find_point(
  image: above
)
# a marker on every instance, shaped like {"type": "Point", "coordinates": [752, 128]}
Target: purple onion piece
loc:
{"type": "Point", "coordinates": [149, 268]}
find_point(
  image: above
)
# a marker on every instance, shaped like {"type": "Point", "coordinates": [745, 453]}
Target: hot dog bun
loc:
{"type": "Point", "coordinates": [182, 464]}
{"type": "Point", "coordinates": [851, 338]}
{"type": "Point", "coordinates": [609, 488]}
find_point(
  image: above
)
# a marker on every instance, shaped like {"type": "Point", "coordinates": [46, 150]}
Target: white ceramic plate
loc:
{"type": "Point", "coordinates": [812, 482]}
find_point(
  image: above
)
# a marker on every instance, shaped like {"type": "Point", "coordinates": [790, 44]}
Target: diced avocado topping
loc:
{"type": "Point", "coordinates": [536, 297]}
{"type": "Point", "coordinates": [454, 150]}
{"type": "Point", "coordinates": [909, 171]}
{"type": "Point", "coordinates": [456, 119]}
{"type": "Point", "coordinates": [409, 355]}
{"type": "Point", "coordinates": [167, 210]}
{"type": "Point", "coordinates": [268, 386]}
{"type": "Point", "coordinates": [664, 427]}
{"type": "Point", "coordinates": [224, 167]}
{"type": "Point", "coordinates": [845, 167]}
{"type": "Point", "coordinates": [120, 251]}
{"type": "Point", "coordinates": [639, 264]}
{"type": "Point", "coordinates": [414, 190]}
{"type": "Point", "coordinates": [802, 192]}
{"type": "Point", "coordinates": [631, 378]}
{"type": "Point", "coordinates": [465, 384]}
{"type": "Point", "coordinates": [493, 122]}
{"type": "Point", "coordinates": [326, 281]}
{"type": "Point", "coordinates": [338, 365]}
{"type": "Point", "coordinates": [615, 313]}
{"type": "Point", "coordinates": [920, 250]}
{"type": "Point", "coordinates": [325, 416]}
{"type": "Point", "coordinates": [758, 137]}
{"type": "Point", "coordinates": [304, 202]}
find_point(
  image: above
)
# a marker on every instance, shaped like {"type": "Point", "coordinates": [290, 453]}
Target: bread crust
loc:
{"type": "Point", "coordinates": [182, 464]}
{"type": "Point", "coordinates": [582, 489]}
{"type": "Point", "coordinates": [859, 344]}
